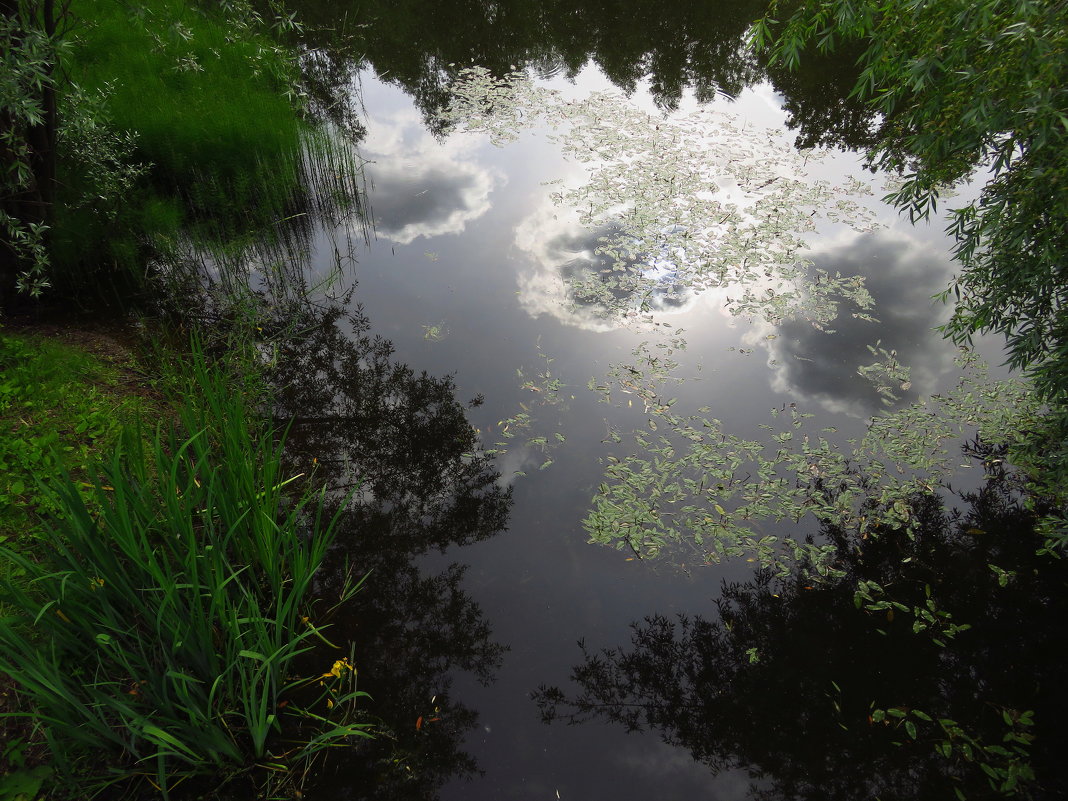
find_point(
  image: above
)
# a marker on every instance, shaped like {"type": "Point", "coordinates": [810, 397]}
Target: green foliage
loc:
{"type": "Point", "coordinates": [100, 153]}
{"type": "Point", "coordinates": [885, 713]}
{"type": "Point", "coordinates": [969, 89]}
{"type": "Point", "coordinates": [159, 635]}
{"type": "Point", "coordinates": [175, 114]}
{"type": "Point", "coordinates": [60, 410]}
{"type": "Point", "coordinates": [204, 94]}
{"type": "Point", "coordinates": [1042, 451]}
{"type": "Point", "coordinates": [20, 782]}
{"type": "Point", "coordinates": [1006, 764]}
{"type": "Point", "coordinates": [528, 425]}
{"type": "Point", "coordinates": [28, 53]}
{"type": "Point", "coordinates": [173, 122]}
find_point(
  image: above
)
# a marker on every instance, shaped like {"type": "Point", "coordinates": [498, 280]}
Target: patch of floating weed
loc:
{"type": "Point", "coordinates": [688, 480]}
{"type": "Point", "coordinates": [524, 426]}
{"type": "Point", "coordinates": [686, 203]}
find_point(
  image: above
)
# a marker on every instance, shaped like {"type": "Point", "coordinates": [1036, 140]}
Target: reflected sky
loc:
{"type": "Point", "coordinates": [423, 188]}
{"type": "Point", "coordinates": [469, 242]}
{"type": "Point", "coordinates": [902, 275]}
{"type": "Point", "coordinates": [665, 207]}
{"type": "Point", "coordinates": [563, 255]}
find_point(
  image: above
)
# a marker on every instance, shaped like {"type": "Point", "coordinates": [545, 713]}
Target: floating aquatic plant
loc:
{"type": "Point", "coordinates": [690, 480]}
{"type": "Point", "coordinates": [526, 427]}
{"type": "Point", "coordinates": [674, 206]}
{"type": "Point", "coordinates": [684, 203]}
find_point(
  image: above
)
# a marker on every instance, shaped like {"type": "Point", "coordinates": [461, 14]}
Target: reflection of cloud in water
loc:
{"type": "Point", "coordinates": [422, 187]}
{"type": "Point", "coordinates": [572, 278]}
{"type": "Point", "coordinates": [515, 460]}
{"type": "Point", "coordinates": [901, 275]}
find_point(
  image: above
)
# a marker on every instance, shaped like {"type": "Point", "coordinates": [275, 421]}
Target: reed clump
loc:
{"type": "Point", "coordinates": [156, 632]}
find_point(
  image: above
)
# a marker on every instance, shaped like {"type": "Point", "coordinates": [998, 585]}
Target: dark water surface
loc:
{"type": "Point", "coordinates": [482, 579]}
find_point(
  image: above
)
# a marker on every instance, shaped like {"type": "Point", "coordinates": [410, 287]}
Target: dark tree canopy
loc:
{"type": "Point", "coordinates": [968, 89]}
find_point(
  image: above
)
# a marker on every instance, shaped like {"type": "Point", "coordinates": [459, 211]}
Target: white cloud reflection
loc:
{"type": "Point", "coordinates": [902, 274]}
{"type": "Point", "coordinates": [421, 187]}
{"type": "Point", "coordinates": [569, 276]}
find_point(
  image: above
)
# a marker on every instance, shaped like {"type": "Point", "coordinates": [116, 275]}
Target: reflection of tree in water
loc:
{"type": "Point", "coordinates": [417, 45]}
{"type": "Point", "coordinates": [411, 631]}
{"type": "Point", "coordinates": [783, 682]}
{"type": "Point", "coordinates": [366, 419]}
{"type": "Point", "coordinates": [361, 418]}
{"type": "Point", "coordinates": [421, 45]}
{"type": "Point", "coordinates": [818, 102]}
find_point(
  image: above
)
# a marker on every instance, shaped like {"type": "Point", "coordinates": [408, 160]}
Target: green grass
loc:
{"type": "Point", "coordinates": [207, 100]}
{"type": "Point", "coordinates": [156, 639]}
{"type": "Point", "coordinates": [203, 98]}
{"type": "Point", "coordinates": [184, 145]}
{"type": "Point", "coordinates": [60, 410]}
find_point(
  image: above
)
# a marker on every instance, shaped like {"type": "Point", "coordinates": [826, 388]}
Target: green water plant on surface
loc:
{"type": "Point", "coordinates": [435, 332]}
{"type": "Point", "coordinates": [158, 637]}
{"type": "Point", "coordinates": [887, 711]}
{"type": "Point", "coordinates": [530, 427]}
{"type": "Point", "coordinates": [676, 227]}
{"type": "Point", "coordinates": [688, 479]}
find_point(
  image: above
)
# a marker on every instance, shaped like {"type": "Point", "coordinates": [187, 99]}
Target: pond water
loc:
{"type": "Point", "coordinates": [560, 336]}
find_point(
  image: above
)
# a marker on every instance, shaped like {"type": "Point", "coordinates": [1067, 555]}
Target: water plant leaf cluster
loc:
{"type": "Point", "coordinates": [687, 479]}
{"type": "Point", "coordinates": [685, 203]}
{"type": "Point", "coordinates": [971, 91]}
{"type": "Point", "coordinates": [529, 427]}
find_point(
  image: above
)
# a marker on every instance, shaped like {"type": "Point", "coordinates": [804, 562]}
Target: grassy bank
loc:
{"type": "Point", "coordinates": [157, 590]}
{"type": "Point", "coordinates": [156, 566]}
{"type": "Point", "coordinates": [61, 409]}
{"type": "Point", "coordinates": [182, 127]}
{"type": "Point", "coordinates": [175, 147]}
